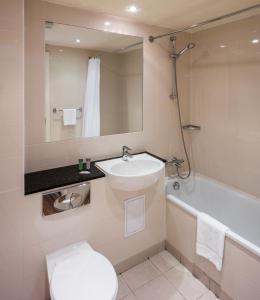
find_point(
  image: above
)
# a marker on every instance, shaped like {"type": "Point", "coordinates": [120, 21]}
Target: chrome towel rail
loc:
{"type": "Point", "coordinates": [55, 110]}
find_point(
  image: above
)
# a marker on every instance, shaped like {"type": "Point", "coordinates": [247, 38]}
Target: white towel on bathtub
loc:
{"type": "Point", "coordinates": [210, 239]}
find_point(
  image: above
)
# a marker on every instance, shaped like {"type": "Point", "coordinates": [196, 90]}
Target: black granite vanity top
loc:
{"type": "Point", "coordinates": [55, 178]}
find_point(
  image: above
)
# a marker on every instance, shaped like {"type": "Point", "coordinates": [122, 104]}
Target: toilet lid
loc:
{"type": "Point", "coordinates": [85, 276]}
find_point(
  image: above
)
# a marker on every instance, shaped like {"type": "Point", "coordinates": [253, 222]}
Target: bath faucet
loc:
{"type": "Point", "coordinates": [176, 162]}
{"type": "Point", "coordinates": [125, 153]}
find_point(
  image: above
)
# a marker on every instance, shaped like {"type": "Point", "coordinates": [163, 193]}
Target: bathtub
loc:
{"type": "Point", "coordinates": [237, 210]}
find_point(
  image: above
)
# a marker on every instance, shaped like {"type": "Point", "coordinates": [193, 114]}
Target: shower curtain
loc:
{"type": "Point", "coordinates": [91, 112]}
{"type": "Point", "coordinates": [47, 98]}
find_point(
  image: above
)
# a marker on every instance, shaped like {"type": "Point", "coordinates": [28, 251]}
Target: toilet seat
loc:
{"type": "Point", "coordinates": [84, 276]}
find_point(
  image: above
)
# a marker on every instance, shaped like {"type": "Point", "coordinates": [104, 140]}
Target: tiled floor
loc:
{"type": "Point", "coordinates": [161, 277]}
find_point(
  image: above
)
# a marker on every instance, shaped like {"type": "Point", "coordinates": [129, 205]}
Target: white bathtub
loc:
{"type": "Point", "coordinates": [239, 211]}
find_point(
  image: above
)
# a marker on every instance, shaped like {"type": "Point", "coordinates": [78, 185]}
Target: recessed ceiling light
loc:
{"type": "Point", "coordinates": [255, 41]}
{"type": "Point", "coordinates": [107, 23]}
{"type": "Point", "coordinates": [77, 40]}
{"type": "Point", "coordinates": [222, 46]}
{"type": "Point", "coordinates": [132, 8]}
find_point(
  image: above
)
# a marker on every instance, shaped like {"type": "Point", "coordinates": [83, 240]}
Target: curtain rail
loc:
{"type": "Point", "coordinates": [152, 38]}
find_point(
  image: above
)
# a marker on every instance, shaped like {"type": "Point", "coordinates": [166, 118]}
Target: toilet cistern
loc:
{"type": "Point", "coordinates": [125, 153]}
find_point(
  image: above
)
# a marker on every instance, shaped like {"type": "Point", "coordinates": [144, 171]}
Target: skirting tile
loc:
{"type": "Point", "coordinates": [173, 251]}
{"type": "Point", "coordinates": [139, 258]}
{"type": "Point", "coordinates": [201, 276]}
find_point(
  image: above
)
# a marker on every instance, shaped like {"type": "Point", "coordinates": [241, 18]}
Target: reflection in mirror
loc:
{"type": "Point", "coordinates": [93, 82]}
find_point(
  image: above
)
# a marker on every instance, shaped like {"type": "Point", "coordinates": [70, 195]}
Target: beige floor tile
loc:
{"type": "Point", "coordinates": [190, 287]}
{"type": "Point", "coordinates": [208, 296]}
{"type": "Point", "coordinates": [164, 261]}
{"type": "Point", "coordinates": [130, 297]}
{"type": "Point", "coordinates": [158, 289]}
{"type": "Point", "coordinates": [123, 289]}
{"type": "Point", "coordinates": [141, 274]}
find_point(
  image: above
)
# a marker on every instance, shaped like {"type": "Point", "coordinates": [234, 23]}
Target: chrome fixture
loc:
{"type": "Point", "coordinates": [175, 162]}
{"type": "Point", "coordinates": [125, 153]}
{"type": "Point", "coordinates": [176, 185]}
{"type": "Point", "coordinates": [174, 56]}
{"type": "Point", "coordinates": [49, 24]}
{"type": "Point", "coordinates": [55, 110]}
{"type": "Point", "coordinates": [152, 38]}
{"type": "Point", "coordinates": [68, 201]}
{"type": "Point", "coordinates": [188, 47]}
{"type": "Point", "coordinates": [191, 127]}
{"type": "Point", "coordinates": [66, 198]}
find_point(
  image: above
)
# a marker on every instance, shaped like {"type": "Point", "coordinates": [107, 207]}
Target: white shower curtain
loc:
{"type": "Point", "coordinates": [47, 98]}
{"type": "Point", "coordinates": [91, 113]}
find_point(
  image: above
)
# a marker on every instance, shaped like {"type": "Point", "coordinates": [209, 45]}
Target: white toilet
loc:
{"type": "Point", "coordinates": [77, 272]}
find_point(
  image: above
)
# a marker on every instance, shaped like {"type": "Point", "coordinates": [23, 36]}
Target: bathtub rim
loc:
{"type": "Point", "coordinates": [224, 185]}
{"type": "Point", "coordinates": [244, 243]}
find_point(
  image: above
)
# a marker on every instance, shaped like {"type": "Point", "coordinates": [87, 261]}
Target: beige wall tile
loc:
{"type": "Point", "coordinates": [241, 273]}
{"type": "Point", "coordinates": [11, 17]}
{"type": "Point", "coordinates": [11, 177]}
{"type": "Point", "coordinates": [11, 153]}
{"type": "Point", "coordinates": [26, 236]}
{"type": "Point", "coordinates": [224, 101]}
{"type": "Point", "coordinates": [181, 231]}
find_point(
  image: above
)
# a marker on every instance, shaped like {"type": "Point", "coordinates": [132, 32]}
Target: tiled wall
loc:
{"type": "Point", "coordinates": [11, 149]}
{"type": "Point", "coordinates": [225, 95]}
{"type": "Point", "coordinates": [25, 235]}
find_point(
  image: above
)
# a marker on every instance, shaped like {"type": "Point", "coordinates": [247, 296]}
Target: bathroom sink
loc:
{"type": "Point", "coordinates": [137, 173]}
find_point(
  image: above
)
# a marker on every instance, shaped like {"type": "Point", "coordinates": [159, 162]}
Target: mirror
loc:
{"type": "Point", "coordinates": [93, 82]}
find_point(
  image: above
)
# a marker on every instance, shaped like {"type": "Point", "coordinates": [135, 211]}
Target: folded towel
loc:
{"type": "Point", "coordinates": [69, 116]}
{"type": "Point", "coordinates": [210, 239]}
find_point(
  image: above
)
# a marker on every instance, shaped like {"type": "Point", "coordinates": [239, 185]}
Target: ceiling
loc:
{"type": "Point", "coordinates": [166, 13]}
{"type": "Point", "coordinates": [91, 39]}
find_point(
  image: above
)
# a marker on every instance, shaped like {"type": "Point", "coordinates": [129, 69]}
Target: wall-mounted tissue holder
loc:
{"type": "Point", "coordinates": [65, 199]}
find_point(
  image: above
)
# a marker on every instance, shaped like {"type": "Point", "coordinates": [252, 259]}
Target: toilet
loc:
{"type": "Point", "coordinates": [78, 272]}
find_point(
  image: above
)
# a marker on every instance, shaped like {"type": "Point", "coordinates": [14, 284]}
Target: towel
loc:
{"type": "Point", "coordinates": [69, 116]}
{"type": "Point", "coordinates": [210, 239]}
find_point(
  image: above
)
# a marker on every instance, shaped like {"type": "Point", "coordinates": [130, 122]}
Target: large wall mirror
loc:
{"type": "Point", "coordinates": [93, 82]}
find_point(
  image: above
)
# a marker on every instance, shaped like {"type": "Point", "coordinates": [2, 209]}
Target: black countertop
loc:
{"type": "Point", "coordinates": [55, 178]}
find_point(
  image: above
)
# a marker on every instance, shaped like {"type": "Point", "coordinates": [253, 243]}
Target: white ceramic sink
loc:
{"type": "Point", "coordinates": [139, 172]}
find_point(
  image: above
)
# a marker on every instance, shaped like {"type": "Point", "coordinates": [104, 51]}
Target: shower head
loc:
{"type": "Point", "coordinates": [188, 47]}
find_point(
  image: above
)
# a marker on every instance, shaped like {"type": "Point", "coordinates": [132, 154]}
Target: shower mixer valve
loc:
{"type": "Point", "coordinates": [175, 162]}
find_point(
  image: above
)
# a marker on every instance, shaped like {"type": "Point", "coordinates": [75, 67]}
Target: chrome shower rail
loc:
{"type": "Point", "coordinates": [128, 47]}
{"type": "Point", "coordinates": [152, 38]}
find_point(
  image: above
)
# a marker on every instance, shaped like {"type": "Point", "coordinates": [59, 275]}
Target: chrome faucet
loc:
{"type": "Point", "coordinates": [125, 153]}
{"type": "Point", "coordinates": [175, 162]}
